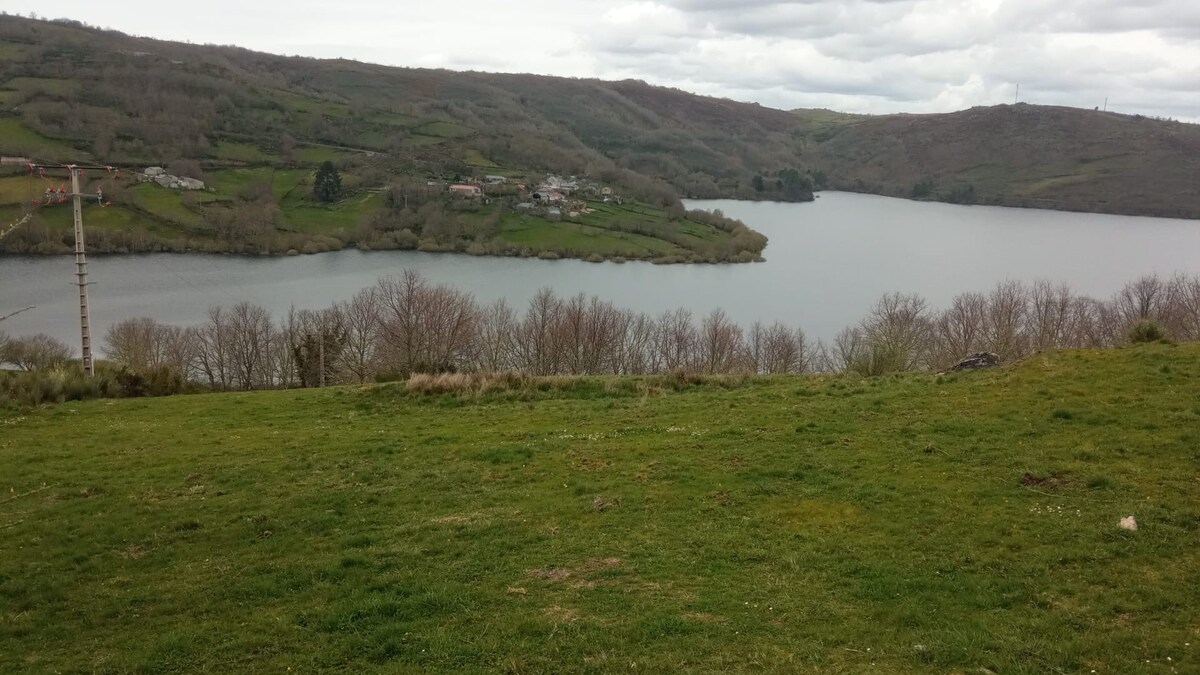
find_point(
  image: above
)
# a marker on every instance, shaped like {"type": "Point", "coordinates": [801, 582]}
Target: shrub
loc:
{"type": "Point", "coordinates": [1146, 330]}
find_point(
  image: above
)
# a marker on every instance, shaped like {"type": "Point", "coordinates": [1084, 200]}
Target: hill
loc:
{"type": "Point", "coordinates": [907, 524]}
{"type": "Point", "coordinates": [1014, 155]}
{"type": "Point", "coordinates": [255, 126]}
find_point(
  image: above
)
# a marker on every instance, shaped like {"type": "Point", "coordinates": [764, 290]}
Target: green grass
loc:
{"type": "Point", "coordinates": [43, 85]}
{"type": "Point", "coordinates": [306, 216]}
{"type": "Point", "coordinates": [167, 204]}
{"type": "Point", "coordinates": [18, 139]}
{"type": "Point", "coordinates": [908, 524]}
{"type": "Point", "coordinates": [241, 152]}
{"type": "Point", "coordinates": [542, 234]}
{"type": "Point", "coordinates": [477, 158]}
{"type": "Point", "coordinates": [10, 51]}
{"type": "Point", "coordinates": [313, 154]}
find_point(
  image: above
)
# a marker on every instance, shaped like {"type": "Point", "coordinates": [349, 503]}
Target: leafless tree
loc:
{"type": "Point", "coordinates": [1004, 324]}
{"type": "Point", "coordinates": [536, 347]}
{"type": "Point", "coordinates": [959, 330]}
{"type": "Point", "coordinates": [636, 354]}
{"type": "Point", "coordinates": [212, 349]}
{"type": "Point", "coordinates": [720, 342]}
{"type": "Point", "coordinates": [250, 334]}
{"type": "Point", "coordinates": [34, 352]}
{"type": "Point", "coordinates": [1050, 315]}
{"type": "Point", "coordinates": [134, 342]}
{"type": "Point", "coordinates": [496, 343]}
{"type": "Point", "coordinates": [1183, 302]}
{"type": "Point", "coordinates": [786, 351]}
{"type": "Point", "coordinates": [676, 340]}
{"type": "Point", "coordinates": [361, 315]}
{"type": "Point", "coordinates": [897, 333]}
{"type": "Point", "coordinates": [1142, 298]}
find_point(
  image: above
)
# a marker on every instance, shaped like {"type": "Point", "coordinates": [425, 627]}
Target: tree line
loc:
{"type": "Point", "coordinates": [406, 324]}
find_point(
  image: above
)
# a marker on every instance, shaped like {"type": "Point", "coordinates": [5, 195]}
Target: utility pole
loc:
{"type": "Point", "coordinates": [85, 328]}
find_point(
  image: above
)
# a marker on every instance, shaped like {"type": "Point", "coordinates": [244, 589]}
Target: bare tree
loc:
{"type": "Point", "coordinates": [134, 342]}
{"type": "Point", "coordinates": [676, 340]}
{"type": "Point", "coordinates": [636, 354]}
{"type": "Point", "coordinates": [249, 337]}
{"type": "Point", "coordinates": [1140, 299]}
{"type": "Point", "coordinates": [960, 328]}
{"type": "Point", "coordinates": [1050, 315]}
{"type": "Point", "coordinates": [362, 322]}
{"type": "Point", "coordinates": [720, 343]}
{"type": "Point", "coordinates": [212, 349]}
{"type": "Point", "coordinates": [1183, 308]}
{"type": "Point", "coordinates": [786, 351]}
{"type": "Point", "coordinates": [497, 348]}
{"type": "Point", "coordinates": [897, 333]}
{"type": "Point", "coordinates": [34, 352]}
{"type": "Point", "coordinates": [536, 347]}
{"type": "Point", "coordinates": [1004, 325]}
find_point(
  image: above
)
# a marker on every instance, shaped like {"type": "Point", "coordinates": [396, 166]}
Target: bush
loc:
{"type": "Point", "coordinates": [1147, 330]}
{"type": "Point", "coordinates": [55, 385]}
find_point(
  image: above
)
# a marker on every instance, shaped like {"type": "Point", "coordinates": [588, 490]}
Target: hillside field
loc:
{"type": "Point", "coordinates": [961, 523]}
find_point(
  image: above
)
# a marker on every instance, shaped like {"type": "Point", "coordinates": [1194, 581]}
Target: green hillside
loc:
{"type": "Point", "coordinates": [827, 524]}
{"type": "Point", "coordinates": [1014, 155]}
{"type": "Point", "coordinates": [71, 91]}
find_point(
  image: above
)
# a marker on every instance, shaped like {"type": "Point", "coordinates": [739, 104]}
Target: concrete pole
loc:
{"type": "Point", "coordinates": [85, 328]}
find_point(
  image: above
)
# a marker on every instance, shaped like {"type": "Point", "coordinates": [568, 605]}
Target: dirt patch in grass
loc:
{"type": "Point", "coordinates": [561, 614]}
{"type": "Point", "coordinates": [1053, 481]}
{"type": "Point", "coordinates": [601, 503]}
{"type": "Point", "coordinates": [550, 573]}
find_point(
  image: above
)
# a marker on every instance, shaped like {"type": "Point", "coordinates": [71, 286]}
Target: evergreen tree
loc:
{"type": "Point", "coordinates": [327, 185]}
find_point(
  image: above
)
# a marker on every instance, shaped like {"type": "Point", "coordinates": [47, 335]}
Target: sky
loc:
{"type": "Point", "coordinates": [862, 56]}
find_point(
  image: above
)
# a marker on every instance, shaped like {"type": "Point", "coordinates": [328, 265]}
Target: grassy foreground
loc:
{"type": "Point", "coordinates": [963, 523]}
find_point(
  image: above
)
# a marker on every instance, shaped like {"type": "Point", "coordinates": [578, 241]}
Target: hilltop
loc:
{"type": "Point", "coordinates": [255, 127]}
{"type": "Point", "coordinates": [832, 524]}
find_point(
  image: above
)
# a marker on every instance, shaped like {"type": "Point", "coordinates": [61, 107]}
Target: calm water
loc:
{"type": "Point", "coordinates": [827, 263]}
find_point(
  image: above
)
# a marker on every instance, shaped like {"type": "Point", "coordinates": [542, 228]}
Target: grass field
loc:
{"type": "Point", "coordinates": [541, 234]}
{"type": "Point", "coordinates": [910, 524]}
{"type": "Point", "coordinates": [18, 139]}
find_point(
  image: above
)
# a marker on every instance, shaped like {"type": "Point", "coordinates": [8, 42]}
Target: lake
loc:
{"type": "Point", "coordinates": [827, 263]}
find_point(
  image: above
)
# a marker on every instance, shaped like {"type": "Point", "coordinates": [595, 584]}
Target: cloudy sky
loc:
{"type": "Point", "coordinates": [852, 55]}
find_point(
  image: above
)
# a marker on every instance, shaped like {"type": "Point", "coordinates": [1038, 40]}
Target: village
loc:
{"type": "Point", "coordinates": [554, 198]}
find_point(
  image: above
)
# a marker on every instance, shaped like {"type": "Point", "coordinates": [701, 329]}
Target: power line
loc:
{"type": "Point", "coordinates": [12, 314]}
